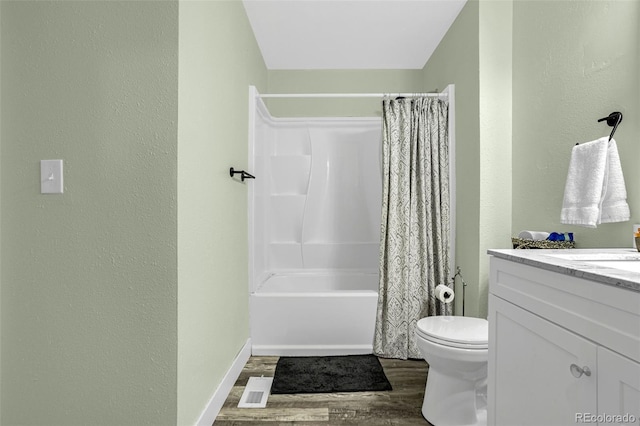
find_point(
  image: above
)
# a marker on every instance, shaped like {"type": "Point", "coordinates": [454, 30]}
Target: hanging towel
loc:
{"type": "Point", "coordinates": [614, 204]}
{"type": "Point", "coordinates": [594, 192]}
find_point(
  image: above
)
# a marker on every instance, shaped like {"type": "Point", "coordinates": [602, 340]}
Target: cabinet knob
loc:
{"type": "Point", "coordinates": [577, 372]}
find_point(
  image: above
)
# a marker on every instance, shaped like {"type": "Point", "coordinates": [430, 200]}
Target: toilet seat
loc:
{"type": "Point", "coordinates": [455, 331]}
{"type": "Point", "coordinates": [453, 345]}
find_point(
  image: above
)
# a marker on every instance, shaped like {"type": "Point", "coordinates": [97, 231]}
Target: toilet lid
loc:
{"type": "Point", "coordinates": [457, 330]}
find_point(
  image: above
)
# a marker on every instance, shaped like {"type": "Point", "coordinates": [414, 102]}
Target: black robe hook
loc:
{"type": "Point", "coordinates": [243, 175]}
{"type": "Point", "coordinates": [612, 120]}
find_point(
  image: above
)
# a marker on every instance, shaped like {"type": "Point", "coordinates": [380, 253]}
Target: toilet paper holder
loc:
{"type": "Point", "coordinates": [444, 294]}
{"type": "Point", "coordinates": [464, 285]}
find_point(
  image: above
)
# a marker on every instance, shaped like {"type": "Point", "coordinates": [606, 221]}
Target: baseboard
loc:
{"type": "Point", "coordinates": [311, 350]}
{"type": "Point", "coordinates": [220, 395]}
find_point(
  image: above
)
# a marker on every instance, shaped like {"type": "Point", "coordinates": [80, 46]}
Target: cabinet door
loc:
{"type": "Point", "coordinates": [531, 381]}
{"type": "Point", "coordinates": [618, 388]}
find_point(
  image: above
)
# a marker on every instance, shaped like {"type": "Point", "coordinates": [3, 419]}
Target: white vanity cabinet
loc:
{"type": "Point", "coordinates": [563, 350]}
{"type": "Point", "coordinates": [618, 385]}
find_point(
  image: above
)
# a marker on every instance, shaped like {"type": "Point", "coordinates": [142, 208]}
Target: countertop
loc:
{"type": "Point", "coordinates": [581, 268]}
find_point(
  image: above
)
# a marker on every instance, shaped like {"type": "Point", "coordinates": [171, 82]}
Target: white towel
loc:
{"type": "Point", "coordinates": [595, 191]}
{"type": "Point", "coordinates": [533, 235]}
{"type": "Point", "coordinates": [614, 206]}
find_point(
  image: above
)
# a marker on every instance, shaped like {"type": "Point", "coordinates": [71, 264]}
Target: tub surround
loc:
{"type": "Point", "coordinates": [314, 221]}
{"type": "Point", "coordinates": [316, 203]}
{"type": "Point", "coordinates": [589, 264]}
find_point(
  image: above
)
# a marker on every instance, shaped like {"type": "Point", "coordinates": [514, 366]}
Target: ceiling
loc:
{"type": "Point", "coordinates": [349, 34]}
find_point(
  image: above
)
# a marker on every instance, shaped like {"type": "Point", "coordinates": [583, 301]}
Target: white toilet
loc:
{"type": "Point", "coordinates": [455, 348]}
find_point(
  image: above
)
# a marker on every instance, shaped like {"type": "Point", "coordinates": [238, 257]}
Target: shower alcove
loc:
{"type": "Point", "coordinates": [314, 231]}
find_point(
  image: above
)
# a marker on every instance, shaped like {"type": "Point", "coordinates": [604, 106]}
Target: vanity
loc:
{"type": "Point", "coordinates": [564, 337]}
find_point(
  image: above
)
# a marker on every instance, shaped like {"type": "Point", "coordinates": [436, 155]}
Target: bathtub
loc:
{"type": "Point", "coordinates": [314, 313]}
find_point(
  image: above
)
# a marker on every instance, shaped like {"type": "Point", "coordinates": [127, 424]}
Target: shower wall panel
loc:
{"type": "Point", "coordinates": [324, 194]}
{"type": "Point", "coordinates": [289, 168]}
{"type": "Point", "coordinates": [261, 134]}
{"type": "Point", "coordinates": [317, 196]}
{"type": "Point", "coordinates": [341, 227]}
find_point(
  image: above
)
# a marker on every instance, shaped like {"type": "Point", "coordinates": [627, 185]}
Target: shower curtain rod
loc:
{"type": "Point", "coordinates": [348, 95]}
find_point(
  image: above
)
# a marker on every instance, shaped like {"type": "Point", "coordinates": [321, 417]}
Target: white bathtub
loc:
{"type": "Point", "coordinates": [314, 313]}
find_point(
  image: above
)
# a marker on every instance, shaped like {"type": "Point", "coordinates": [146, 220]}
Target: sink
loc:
{"type": "Point", "coordinates": [595, 257]}
{"type": "Point", "coordinates": [627, 260]}
{"type": "Point", "coordinates": [632, 265]}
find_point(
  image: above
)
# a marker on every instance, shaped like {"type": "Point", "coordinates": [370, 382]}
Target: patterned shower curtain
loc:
{"type": "Point", "coordinates": [414, 240]}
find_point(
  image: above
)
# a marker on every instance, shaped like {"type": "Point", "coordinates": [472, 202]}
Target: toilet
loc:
{"type": "Point", "coordinates": [455, 348]}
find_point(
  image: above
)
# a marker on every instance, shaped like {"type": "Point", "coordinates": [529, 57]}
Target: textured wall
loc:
{"type": "Point", "coordinates": [89, 279]}
{"type": "Point", "coordinates": [573, 62]}
{"type": "Point", "coordinates": [0, 221]}
{"type": "Point", "coordinates": [456, 60]}
{"type": "Point", "coordinates": [219, 59]}
{"type": "Point", "coordinates": [569, 68]}
{"type": "Point", "coordinates": [495, 54]}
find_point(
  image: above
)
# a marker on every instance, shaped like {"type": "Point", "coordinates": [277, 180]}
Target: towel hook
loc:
{"type": "Point", "coordinates": [243, 175]}
{"type": "Point", "coordinates": [612, 121]}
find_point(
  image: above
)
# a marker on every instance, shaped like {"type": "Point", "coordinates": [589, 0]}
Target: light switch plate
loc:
{"type": "Point", "coordinates": [51, 181]}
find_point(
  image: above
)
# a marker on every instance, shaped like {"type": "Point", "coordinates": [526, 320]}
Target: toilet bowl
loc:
{"type": "Point", "coordinates": [455, 348]}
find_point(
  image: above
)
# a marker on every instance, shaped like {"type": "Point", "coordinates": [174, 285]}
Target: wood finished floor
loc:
{"type": "Point", "coordinates": [399, 407]}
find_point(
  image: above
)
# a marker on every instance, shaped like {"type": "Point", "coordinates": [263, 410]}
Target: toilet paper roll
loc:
{"type": "Point", "coordinates": [444, 294]}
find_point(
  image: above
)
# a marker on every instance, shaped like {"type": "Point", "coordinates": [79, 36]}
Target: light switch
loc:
{"type": "Point", "coordinates": [51, 177]}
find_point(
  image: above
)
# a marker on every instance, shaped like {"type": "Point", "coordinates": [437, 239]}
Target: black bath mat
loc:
{"type": "Point", "coordinates": [324, 374]}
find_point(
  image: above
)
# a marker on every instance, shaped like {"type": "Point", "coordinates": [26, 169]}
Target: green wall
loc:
{"type": "Point", "coordinates": [0, 217]}
{"type": "Point", "coordinates": [495, 71]}
{"type": "Point", "coordinates": [219, 59]}
{"type": "Point", "coordinates": [573, 63]}
{"type": "Point", "coordinates": [89, 281]}
{"type": "Point", "coordinates": [532, 78]}
{"type": "Point", "coordinates": [456, 60]}
{"type": "Point", "coordinates": [126, 297]}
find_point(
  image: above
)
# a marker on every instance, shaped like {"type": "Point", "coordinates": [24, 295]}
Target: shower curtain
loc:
{"type": "Point", "coordinates": [414, 240]}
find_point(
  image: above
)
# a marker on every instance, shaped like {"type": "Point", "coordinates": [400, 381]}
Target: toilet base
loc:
{"type": "Point", "coordinates": [481, 419]}
{"type": "Point", "coordinates": [452, 402]}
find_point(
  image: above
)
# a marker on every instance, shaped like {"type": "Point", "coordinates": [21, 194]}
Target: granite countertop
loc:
{"type": "Point", "coordinates": [591, 264]}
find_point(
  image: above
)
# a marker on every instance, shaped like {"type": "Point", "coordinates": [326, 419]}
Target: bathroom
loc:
{"type": "Point", "coordinates": [131, 287]}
